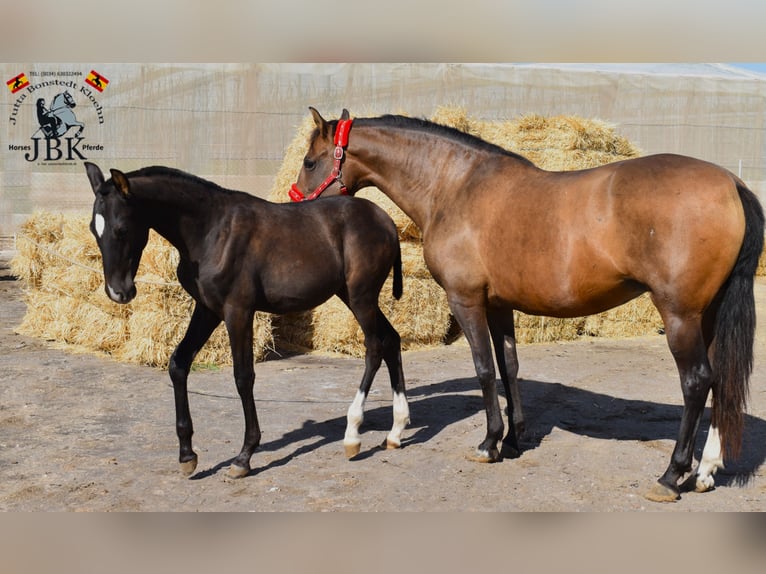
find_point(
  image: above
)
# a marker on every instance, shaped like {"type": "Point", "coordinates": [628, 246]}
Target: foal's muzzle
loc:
{"type": "Point", "coordinates": [121, 295]}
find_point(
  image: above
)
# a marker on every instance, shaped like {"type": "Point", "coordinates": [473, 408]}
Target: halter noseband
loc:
{"type": "Point", "coordinates": [341, 141]}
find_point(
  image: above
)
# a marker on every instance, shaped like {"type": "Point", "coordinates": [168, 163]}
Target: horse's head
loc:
{"type": "Point", "coordinates": [63, 99]}
{"type": "Point", "coordinates": [119, 231]}
{"type": "Point", "coordinates": [323, 164]}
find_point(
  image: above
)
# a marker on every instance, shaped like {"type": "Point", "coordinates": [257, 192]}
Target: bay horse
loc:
{"type": "Point", "coordinates": [238, 254]}
{"type": "Point", "coordinates": [500, 234]}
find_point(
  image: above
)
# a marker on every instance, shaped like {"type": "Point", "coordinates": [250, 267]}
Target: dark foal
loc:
{"type": "Point", "coordinates": [239, 254]}
{"type": "Point", "coordinates": [500, 234]}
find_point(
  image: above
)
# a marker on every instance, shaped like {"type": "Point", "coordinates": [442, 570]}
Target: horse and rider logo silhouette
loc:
{"type": "Point", "coordinates": [56, 121]}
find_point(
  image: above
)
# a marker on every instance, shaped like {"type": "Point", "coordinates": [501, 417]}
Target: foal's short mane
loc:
{"type": "Point", "coordinates": [448, 132]}
{"type": "Point", "coordinates": [190, 181]}
{"type": "Point", "coordinates": [159, 171]}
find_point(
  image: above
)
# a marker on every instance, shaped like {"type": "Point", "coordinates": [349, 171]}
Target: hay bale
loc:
{"type": "Point", "coordinates": [635, 318]}
{"type": "Point", "coordinates": [61, 265]}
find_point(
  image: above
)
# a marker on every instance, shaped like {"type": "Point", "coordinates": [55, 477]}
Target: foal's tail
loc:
{"type": "Point", "coordinates": [397, 288]}
{"type": "Point", "coordinates": [735, 331]}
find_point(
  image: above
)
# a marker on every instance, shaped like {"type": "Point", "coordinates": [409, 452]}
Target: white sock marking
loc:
{"type": "Point", "coordinates": [354, 419]}
{"type": "Point", "coordinates": [711, 461]}
{"type": "Point", "coordinates": [401, 419]}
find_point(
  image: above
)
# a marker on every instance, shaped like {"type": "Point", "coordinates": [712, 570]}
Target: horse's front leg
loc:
{"type": "Point", "coordinates": [503, 333]}
{"type": "Point", "coordinates": [240, 328]}
{"type": "Point", "coordinates": [201, 326]}
{"type": "Point", "coordinates": [473, 321]}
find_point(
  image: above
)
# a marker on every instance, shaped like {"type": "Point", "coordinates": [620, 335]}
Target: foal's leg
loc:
{"type": "Point", "coordinates": [201, 326]}
{"type": "Point", "coordinates": [392, 355]}
{"type": "Point", "coordinates": [689, 351]}
{"type": "Point", "coordinates": [473, 321]}
{"type": "Point", "coordinates": [239, 325]}
{"type": "Point", "coordinates": [503, 335]}
{"type": "Point", "coordinates": [381, 342]}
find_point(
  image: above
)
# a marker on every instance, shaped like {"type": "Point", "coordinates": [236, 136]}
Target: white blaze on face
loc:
{"type": "Point", "coordinates": [100, 224]}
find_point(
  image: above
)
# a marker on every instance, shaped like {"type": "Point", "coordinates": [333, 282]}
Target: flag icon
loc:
{"type": "Point", "coordinates": [18, 83]}
{"type": "Point", "coordinates": [97, 80]}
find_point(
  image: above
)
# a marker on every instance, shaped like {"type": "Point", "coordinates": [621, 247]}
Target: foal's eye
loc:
{"type": "Point", "coordinates": [309, 163]}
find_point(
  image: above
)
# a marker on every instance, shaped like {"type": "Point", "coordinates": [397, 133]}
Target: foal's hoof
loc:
{"type": "Point", "coordinates": [188, 467]}
{"type": "Point", "coordinates": [662, 493]}
{"type": "Point", "coordinates": [236, 471]}
{"type": "Point", "coordinates": [352, 448]}
{"type": "Point", "coordinates": [480, 455]}
{"type": "Point", "coordinates": [389, 444]}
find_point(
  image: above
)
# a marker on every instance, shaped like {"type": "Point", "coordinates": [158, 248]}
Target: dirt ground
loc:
{"type": "Point", "coordinates": [84, 433]}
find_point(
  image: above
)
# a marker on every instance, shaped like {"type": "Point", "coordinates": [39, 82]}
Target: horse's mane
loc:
{"type": "Point", "coordinates": [404, 122]}
{"type": "Point", "coordinates": [159, 170]}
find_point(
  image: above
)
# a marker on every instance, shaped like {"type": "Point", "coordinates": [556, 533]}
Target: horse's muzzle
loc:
{"type": "Point", "coordinates": [121, 296]}
{"type": "Point", "coordinates": [296, 194]}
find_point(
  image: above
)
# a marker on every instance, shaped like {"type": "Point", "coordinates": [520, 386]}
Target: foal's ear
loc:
{"type": "Point", "coordinates": [319, 121]}
{"type": "Point", "coordinates": [120, 182]}
{"type": "Point", "coordinates": [95, 176]}
{"type": "Point", "coordinates": [344, 114]}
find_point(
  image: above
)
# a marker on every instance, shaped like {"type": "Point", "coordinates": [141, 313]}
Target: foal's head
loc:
{"type": "Point", "coordinates": [120, 233]}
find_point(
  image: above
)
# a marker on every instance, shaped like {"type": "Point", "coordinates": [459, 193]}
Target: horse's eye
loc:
{"type": "Point", "coordinates": [309, 163]}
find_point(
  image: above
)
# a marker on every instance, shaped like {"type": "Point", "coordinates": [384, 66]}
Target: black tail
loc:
{"type": "Point", "coordinates": [397, 288]}
{"type": "Point", "coordinates": [735, 331]}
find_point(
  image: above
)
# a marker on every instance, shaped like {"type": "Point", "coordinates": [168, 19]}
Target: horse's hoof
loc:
{"type": "Point", "coordinates": [662, 493]}
{"type": "Point", "coordinates": [508, 451]}
{"type": "Point", "coordinates": [484, 456]}
{"type": "Point", "coordinates": [188, 467]}
{"type": "Point", "coordinates": [388, 444]}
{"type": "Point", "coordinates": [706, 485]}
{"type": "Point", "coordinates": [352, 449]}
{"type": "Point", "coordinates": [236, 471]}
{"type": "Point", "coordinates": [696, 483]}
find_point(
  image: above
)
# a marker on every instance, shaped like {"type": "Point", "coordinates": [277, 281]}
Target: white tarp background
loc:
{"type": "Point", "coordinates": [232, 122]}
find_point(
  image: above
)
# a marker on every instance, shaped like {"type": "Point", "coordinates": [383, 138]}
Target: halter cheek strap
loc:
{"type": "Point", "coordinates": [341, 142]}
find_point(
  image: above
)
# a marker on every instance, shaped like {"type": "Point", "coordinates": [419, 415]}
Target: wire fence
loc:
{"type": "Point", "coordinates": [233, 123]}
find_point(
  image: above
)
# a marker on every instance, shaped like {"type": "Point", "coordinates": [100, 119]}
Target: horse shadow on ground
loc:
{"type": "Point", "coordinates": [547, 405]}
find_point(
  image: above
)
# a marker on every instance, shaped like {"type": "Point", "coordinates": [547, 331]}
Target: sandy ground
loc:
{"type": "Point", "coordinates": [84, 433]}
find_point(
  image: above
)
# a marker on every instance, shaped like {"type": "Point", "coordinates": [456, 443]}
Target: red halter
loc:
{"type": "Point", "coordinates": [341, 141]}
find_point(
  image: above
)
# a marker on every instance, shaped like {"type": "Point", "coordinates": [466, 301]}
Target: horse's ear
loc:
{"type": "Point", "coordinates": [95, 176]}
{"type": "Point", "coordinates": [120, 182]}
{"type": "Point", "coordinates": [319, 121]}
{"type": "Point", "coordinates": [344, 114]}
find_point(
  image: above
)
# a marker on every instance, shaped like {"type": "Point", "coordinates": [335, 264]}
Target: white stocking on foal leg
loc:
{"type": "Point", "coordinates": [352, 442]}
{"type": "Point", "coordinates": [401, 420]}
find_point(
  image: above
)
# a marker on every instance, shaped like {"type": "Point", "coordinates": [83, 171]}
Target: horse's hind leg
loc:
{"type": "Point", "coordinates": [381, 342]}
{"type": "Point", "coordinates": [239, 325]}
{"type": "Point", "coordinates": [712, 454]}
{"type": "Point", "coordinates": [201, 326]}
{"type": "Point", "coordinates": [690, 353]}
{"type": "Point", "coordinates": [503, 335]}
{"type": "Point", "coordinates": [392, 355]}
